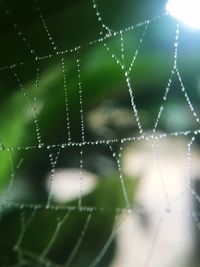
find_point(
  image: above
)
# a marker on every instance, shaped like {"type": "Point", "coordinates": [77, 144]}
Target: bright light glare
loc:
{"type": "Point", "coordinates": [66, 185]}
{"type": "Point", "coordinates": [187, 11]}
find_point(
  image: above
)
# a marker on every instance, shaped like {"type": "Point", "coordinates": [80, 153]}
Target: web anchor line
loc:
{"type": "Point", "coordinates": [66, 100]}
{"type": "Point", "coordinates": [169, 83]}
{"type": "Point", "coordinates": [121, 62]}
{"type": "Point", "coordinates": [53, 162]}
{"type": "Point", "coordinates": [24, 226]}
{"type": "Point", "coordinates": [33, 108]}
{"type": "Point", "coordinates": [60, 223]}
{"type": "Point", "coordinates": [12, 175]}
{"type": "Point", "coordinates": [18, 30]}
{"type": "Point", "coordinates": [137, 138]}
{"type": "Point", "coordinates": [117, 157]}
{"type": "Point", "coordinates": [81, 181]}
{"type": "Point", "coordinates": [77, 48]}
{"type": "Point", "coordinates": [79, 241]}
{"type": "Point", "coordinates": [80, 91]}
{"type": "Point", "coordinates": [44, 24]}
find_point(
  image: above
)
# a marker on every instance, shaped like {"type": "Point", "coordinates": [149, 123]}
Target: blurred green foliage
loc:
{"type": "Point", "coordinates": [72, 24]}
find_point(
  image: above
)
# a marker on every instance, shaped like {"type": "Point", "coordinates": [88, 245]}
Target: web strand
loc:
{"type": "Point", "coordinates": [106, 35]}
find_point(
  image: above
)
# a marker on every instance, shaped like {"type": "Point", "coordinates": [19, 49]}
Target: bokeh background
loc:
{"type": "Point", "coordinates": [63, 195]}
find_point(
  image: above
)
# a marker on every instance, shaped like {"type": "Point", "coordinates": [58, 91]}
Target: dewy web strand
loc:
{"type": "Point", "coordinates": [55, 150]}
{"type": "Point", "coordinates": [66, 100]}
{"type": "Point", "coordinates": [33, 108]}
{"type": "Point", "coordinates": [90, 43]}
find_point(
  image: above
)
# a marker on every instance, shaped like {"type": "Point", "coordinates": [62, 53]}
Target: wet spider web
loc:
{"type": "Point", "coordinates": [39, 253]}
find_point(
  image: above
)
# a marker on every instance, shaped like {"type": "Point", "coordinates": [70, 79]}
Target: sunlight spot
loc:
{"type": "Point", "coordinates": [186, 11]}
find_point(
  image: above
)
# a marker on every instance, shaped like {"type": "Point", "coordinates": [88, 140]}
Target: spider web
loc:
{"type": "Point", "coordinates": [31, 216]}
